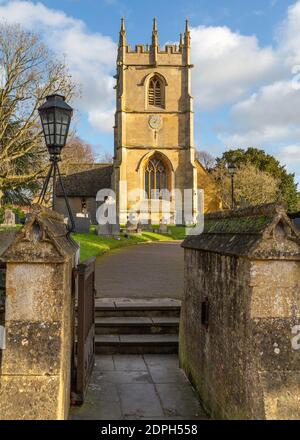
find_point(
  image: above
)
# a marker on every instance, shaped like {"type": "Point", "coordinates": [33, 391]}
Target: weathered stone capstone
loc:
{"type": "Point", "coordinates": [36, 364]}
{"type": "Point", "coordinates": [245, 267]}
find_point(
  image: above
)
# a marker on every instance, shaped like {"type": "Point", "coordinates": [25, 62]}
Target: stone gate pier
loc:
{"type": "Point", "coordinates": [239, 340]}
{"type": "Point", "coordinates": [35, 365]}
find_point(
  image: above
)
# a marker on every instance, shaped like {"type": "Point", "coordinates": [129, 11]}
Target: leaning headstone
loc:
{"type": "Point", "coordinates": [82, 223]}
{"type": "Point", "coordinates": [9, 217]}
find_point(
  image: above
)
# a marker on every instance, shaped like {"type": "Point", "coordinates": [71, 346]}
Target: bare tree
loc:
{"type": "Point", "coordinates": [29, 72]}
{"type": "Point", "coordinates": [206, 159]}
{"type": "Point", "coordinates": [76, 154]}
{"type": "Point", "coordinates": [251, 186]}
{"type": "Point", "coordinates": [106, 157]}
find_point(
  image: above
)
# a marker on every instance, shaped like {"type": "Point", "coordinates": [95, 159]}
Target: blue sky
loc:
{"type": "Point", "coordinates": [248, 17]}
{"type": "Point", "coordinates": [246, 56]}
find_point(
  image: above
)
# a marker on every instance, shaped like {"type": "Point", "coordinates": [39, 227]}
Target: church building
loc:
{"type": "Point", "coordinates": [154, 152]}
{"type": "Point", "coordinates": [154, 127]}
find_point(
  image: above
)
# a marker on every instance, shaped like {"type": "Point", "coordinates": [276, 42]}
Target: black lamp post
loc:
{"type": "Point", "coordinates": [56, 116]}
{"type": "Point", "coordinates": [232, 170]}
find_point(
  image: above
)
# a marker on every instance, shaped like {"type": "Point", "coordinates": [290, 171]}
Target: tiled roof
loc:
{"type": "Point", "coordinates": [86, 183]}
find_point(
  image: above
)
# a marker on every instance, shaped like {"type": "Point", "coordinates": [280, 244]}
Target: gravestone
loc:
{"type": "Point", "coordinates": [107, 225]}
{"type": "Point", "coordinates": [82, 223]}
{"type": "Point", "coordinates": [147, 226]}
{"type": "Point", "coordinates": [107, 230]}
{"type": "Point", "coordinates": [9, 217]}
{"type": "Point", "coordinates": [133, 225]}
{"type": "Point", "coordinates": [163, 227]}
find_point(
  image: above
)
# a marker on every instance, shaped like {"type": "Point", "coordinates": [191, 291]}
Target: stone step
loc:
{"type": "Point", "coordinates": [123, 325]}
{"type": "Point", "coordinates": [136, 344]}
{"type": "Point", "coordinates": [120, 307]}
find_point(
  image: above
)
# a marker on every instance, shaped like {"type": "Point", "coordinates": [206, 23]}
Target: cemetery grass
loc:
{"type": "Point", "coordinates": [177, 232]}
{"type": "Point", "coordinates": [9, 228]}
{"type": "Point", "coordinates": [92, 245]}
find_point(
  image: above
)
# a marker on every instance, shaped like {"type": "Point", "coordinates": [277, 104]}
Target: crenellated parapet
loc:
{"type": "Point", "coordinates": [154, 53]}
{"type": "Point", "coordinates": [147, 48]}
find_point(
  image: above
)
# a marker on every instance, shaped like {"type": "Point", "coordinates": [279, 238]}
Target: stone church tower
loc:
{"type": "Point", "coordinates": [154, 125]}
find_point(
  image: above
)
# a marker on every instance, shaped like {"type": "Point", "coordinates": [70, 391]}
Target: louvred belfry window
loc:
{"type": "Point", "coordinates": [155, 92]}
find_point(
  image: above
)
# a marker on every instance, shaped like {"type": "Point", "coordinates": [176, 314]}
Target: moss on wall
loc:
{"type": "Point", "coordinates": [247, 267]}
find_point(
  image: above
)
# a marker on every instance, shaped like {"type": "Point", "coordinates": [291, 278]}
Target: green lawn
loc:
{"type": "Point", "coordinates": [177, 232]}
{"type": "Point", "coordinates": [10, 228]}
{"type": "Point", "coordinates": [92, 245]}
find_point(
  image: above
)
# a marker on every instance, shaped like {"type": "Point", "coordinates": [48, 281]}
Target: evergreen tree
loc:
{"type": "Point", "coordinates": [287, 187]}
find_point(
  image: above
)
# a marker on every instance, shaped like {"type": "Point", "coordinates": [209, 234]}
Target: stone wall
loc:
{"type": "Point", "coordinates": [246, 267]}
{"type": "Point", "coordinates": [35, 370]}
{"type": "Point", "coordinates": [76, 206]}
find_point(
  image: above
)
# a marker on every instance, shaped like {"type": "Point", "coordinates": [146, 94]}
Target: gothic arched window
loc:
{"type": "Point", "coordinates": [155, 178]}
{"type": "Point", "coordinates": [156, 92]}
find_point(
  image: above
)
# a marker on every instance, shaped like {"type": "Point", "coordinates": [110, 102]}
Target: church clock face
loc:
{"type": "Point", "coordinates": [155, 121]}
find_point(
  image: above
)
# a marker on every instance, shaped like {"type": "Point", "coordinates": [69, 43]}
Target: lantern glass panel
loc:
{"type": "Point", "coordinates": [231, 169]}
{"type": "Point", "coordinates": [62, 121]}
{"type": "Point", "coordinates": [44, 118]}
{"type": "Point", "coordinates": [56, 117]}
{"type": "Point", "coordinates": [65, 119]}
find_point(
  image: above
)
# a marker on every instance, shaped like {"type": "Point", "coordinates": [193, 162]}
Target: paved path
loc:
{"type": "Point", "coordinates": [151, 270]}
{"type": "Point", "coordinates": [132, 387]}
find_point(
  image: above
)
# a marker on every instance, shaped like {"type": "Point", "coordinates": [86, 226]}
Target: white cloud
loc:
{"type": "Point", "coordinates": [290, 154]}
{"type": "Point", "coordinates": [272, 114]}
{"type": "Point", "coordinates": [227, 64]}
{"type": "Point", "coordinates": [32, 15]}
{"type": "Point", "coordinates": [288, 36]}
{"type": "Point", "coordinates": [101, 119]}
{"type": "Point", "coordinates": [275, 104]}
{"type": "Point", "coordinates": [90, 56]}
{"type": "Point", "coordinates": [259, 138]}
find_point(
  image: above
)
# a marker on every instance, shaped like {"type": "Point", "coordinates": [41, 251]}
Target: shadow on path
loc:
{"type": "Point", "coordinates": [152, 270]}
{"type": "Point", "coordinates": [136, 387]}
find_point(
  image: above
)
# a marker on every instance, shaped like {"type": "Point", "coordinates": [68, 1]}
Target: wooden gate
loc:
{"type": "Point", "coordinates": [85, 330]}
